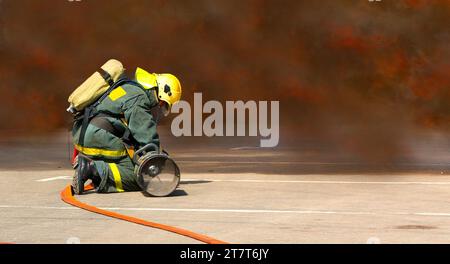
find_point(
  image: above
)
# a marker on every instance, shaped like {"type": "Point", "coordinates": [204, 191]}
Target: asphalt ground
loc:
{"type": "Point", "coordinates": [232, 193]}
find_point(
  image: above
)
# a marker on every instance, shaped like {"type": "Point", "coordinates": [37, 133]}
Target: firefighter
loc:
{"type": "Point", "coordinates": [126, 122]}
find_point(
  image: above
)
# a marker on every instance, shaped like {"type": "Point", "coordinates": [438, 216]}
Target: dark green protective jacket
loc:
{"type": "Point", "coordinates": [133, 104]}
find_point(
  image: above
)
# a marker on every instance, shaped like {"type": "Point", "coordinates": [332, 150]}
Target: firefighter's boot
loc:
{"type": "Point", "coordinates": [84, 170]}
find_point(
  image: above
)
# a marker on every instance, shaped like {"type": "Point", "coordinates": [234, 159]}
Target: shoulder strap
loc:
{"type": "Point", "coordinates": [86, 117]}
{"type": "Point", "coordinates": [110, 89]}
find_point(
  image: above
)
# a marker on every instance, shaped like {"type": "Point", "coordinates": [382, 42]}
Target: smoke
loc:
{"type": "Point", "coordinates": [358, 76]}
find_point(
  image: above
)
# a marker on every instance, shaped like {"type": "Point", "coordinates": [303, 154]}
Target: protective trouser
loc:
{"type": "Point", "coordinates": [116, 176]}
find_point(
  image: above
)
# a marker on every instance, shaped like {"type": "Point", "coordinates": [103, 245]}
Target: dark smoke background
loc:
{"type": "Point", "coordinates": [358, 76]}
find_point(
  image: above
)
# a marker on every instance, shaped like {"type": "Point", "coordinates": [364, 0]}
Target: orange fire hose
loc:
{"type": "Point", "coordinates": [67, 196]}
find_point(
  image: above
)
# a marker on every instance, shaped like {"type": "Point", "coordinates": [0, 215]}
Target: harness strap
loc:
{"type": "Point", "coordinates": [84, 125]}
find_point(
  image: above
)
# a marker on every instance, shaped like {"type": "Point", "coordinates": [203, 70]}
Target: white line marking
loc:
{"type": "Point", "coordinates": [39, 207]}
{"type": "Point", "coordinates": [245, 148]}
{"type": "Point", "coordinates": [55, 178]}
{"type": "Point", "coordinates": [433, 214]}
{"type": "Point", "coordinates": [198, 210]}
{"type": "Point", "coordinates": [251, 211]}
{"type": "Point", "coordinates": [285, 181]}
{"type": "Point", "coordinates": [321, 182]}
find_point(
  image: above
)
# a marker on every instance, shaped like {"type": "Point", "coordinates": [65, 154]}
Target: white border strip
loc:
{"type": "Point", "coordinates": [247, 211]}
{"type": "Point", "coordinates": [55, 178]}
{"type": "Point", "coordinates": [186, 181]}
{"type": "Point", "coordinates": [322, 182]}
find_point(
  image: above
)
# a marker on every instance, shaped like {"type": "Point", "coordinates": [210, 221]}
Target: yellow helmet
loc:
{"type": "Point", "coordinates": [169, 87]}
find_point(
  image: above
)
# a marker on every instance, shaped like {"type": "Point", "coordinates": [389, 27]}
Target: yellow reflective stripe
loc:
{"type": "Point", "coordinates": [117, 178]}
{"type": "Point", "coordinates": [117, 93]}
{"type": "Point", "coordinates": [101, 152]}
